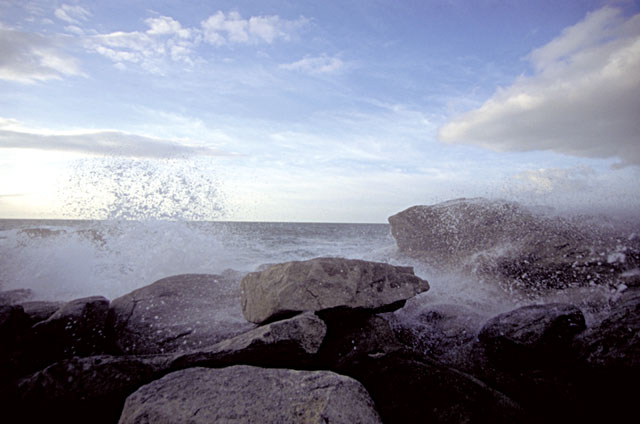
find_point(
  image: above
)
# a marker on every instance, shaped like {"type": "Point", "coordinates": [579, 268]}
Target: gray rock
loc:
{"type": "Point", "coordinates": [445, 332]}
{"type": "Point", "coordinates": [524, 251]}
{"type": "Point", "coordinates": [615, 341]}
{"type": "Point", "coordinates": [288, 343]}
{"type": "Point", "coordinates": [249, 394]}
{"type": "Point", "coordinates": [79, 328]}
{"type": "Point", "coordinates": [91, 389]}
{"type": "Point", "coordinates": [179, 313]}
{"type": "Point", "coordinates": [532, 334]}
{"type": "Point", "coordinates": [40, 310]}
{"type": "Point", "coordinates": [325, 283]}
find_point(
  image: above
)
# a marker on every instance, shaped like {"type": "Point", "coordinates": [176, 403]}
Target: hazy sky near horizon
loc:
{"type": "Point", "coordinates": [282, 110]}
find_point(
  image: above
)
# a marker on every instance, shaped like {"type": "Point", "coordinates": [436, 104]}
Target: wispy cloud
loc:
{"type": "Point", "coordinates": [582, 99]}
{"type": "Point", "coordinates": [315, 65]}
{"type": "Point", "coordinates": [72, 14]}
{"type": "Point", "coordinates": [166, 38]}
{"type": "Point", "coordinates": [221, 28]}
{"type": "Point", "coordinates": [30, 57]}
{"type": "Point", "coordinates": [110, 143]}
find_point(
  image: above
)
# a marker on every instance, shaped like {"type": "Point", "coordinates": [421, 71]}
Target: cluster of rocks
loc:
{"type": "Point", "coordinates": [324, 340]}
{"type": "Point", "coordinates": [526, 251]}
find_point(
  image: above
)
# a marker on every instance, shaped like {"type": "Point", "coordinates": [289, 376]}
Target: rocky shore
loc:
{"type": "Point", "coordinates": [339, 340]}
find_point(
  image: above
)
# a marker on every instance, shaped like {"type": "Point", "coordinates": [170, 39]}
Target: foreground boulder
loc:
{"type": "Point", "coordinates": [526, 250]}
{"type": "Point", "coordinates": [324, 283]}
{"type": "Point", "coordinates": [178, 313]}
{"type": "Point", "coordinates": [288, 343]}
{"type": "Point", "coordinates": [250, 394]}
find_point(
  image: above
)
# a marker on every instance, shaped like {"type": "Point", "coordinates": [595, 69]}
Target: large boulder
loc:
{"type": "Point", "coordinates": [531, 335]}
{"type": "Point", "coordinates": [179, 313]}
{"type": "Point", "coordinates": [288, 343]}
{"type": "Point", "coordinates": [523, 249]}
{"type": "Point", "coordinates": [250, 394]}
{"type": "Point", "coordinates": [80, 390]}
{"type": "Point", "coordinates": [325, 283]}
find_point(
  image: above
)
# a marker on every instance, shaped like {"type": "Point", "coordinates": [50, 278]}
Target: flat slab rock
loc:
{"type": "Point", "coordinates": [250, 394]}
{"type": "Point", "coordinates": [179, 313]}
{"type": "Point", "coordinates": [286, 343]}
{"type": "Point", "coordinates": [325, 283]}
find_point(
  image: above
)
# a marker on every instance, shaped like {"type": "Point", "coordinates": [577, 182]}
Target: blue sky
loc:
{"type": "Point", "coordinates": [314, 111]}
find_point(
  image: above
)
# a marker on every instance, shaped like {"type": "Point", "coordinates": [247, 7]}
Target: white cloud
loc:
{"type": "Point", "coordinates": [72, 14]}
{"type": "Point", "coordinates": [165, 39]}
{"type": "Point", "coordinates": [165, 25]}
{"type": "Point", "coordinates": [315, 65]}
{"type": "Point", "coordinates": [105, 142]}
{"type": "Point", "coordinates": [224, 28]}
{"type": "Point", "coordinates": [30, 57]}
{"type": "Point", "coordinates": [583, 100]}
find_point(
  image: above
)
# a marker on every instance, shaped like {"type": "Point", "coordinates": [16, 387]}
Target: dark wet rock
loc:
{"type": "Point", "coordinates": [79, 328]}
{"type": "Point", "coordinates": [82, 390]}
{"type": "Point", "coordinates": [179, 313]}
{"type": "Point", "coordinates": [614, 343]}
{"type": "Point", "coordinates": [40, 310]}
{"type": "Point", "coordinates": [14, 333]}
{"type": "Point", "coordinates": [12, 297]}
{"type": "Point", "coordinates": [409, 388]}
{"type": "Point", "coordinates": [351, 335]}
{"type": "Point", "coordinates": [445, 332]}
{"type": "Point", "coordinates": [290, 343]}
{"type": "Point", "coordinates": [523, 250]}
{"type": "Point", "coordinates": [530, 335]}
{"type": "Point", "coordinates": [608, 366]}
{"type": "Point", "coordinates": [325, 283]}
{"type": "Point", "coordinates": [250, 394]}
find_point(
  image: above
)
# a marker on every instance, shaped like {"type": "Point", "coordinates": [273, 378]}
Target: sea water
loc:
{"type": "Point", "coordinates": [67, 259]}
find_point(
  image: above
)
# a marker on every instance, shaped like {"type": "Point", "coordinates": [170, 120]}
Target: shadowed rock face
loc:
{"type": "Point", "coordinates": [250, 394]}
{"type": "Point", "coordinates": [507, 242]}
{"type": "Point", "coordinates": [178, 313]}
{"type": "Point", "coordinates": [325, 283]}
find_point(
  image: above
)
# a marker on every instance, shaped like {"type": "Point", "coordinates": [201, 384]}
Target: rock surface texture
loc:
{"type": "Point", "coordinates": [178, 313]}
{"type": "Point", "coordinates": [250, 394]}
{"type": "Point", "coordinates": [525, 250]}
{"type": "Point", "coordinates": [291, 342]}
{"type": "Point", "coordinates": [325, 283]}
{"type": "Point", "coordinates": [533, 333]}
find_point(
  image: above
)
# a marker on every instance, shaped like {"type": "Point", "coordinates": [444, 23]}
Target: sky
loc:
{"type": "Point", "coordinates": [331, 111]}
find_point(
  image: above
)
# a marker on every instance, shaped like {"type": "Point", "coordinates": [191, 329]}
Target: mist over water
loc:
{"type": "Point", "coordinates": [153, 219]}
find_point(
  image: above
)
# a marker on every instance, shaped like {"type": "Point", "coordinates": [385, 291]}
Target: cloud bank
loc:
{"type": "Point", "coordinates": [583, 98]}
{"type": "Point", "coordinates": [110, 143]}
